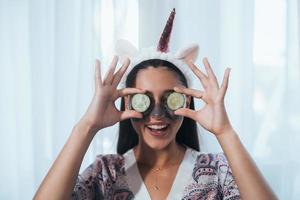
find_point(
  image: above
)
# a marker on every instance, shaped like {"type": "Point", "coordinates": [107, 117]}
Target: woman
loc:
{"type": "Point", "coordinates": [158, 151]}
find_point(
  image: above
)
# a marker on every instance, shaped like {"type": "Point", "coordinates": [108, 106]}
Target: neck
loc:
{"type": "Point", "coordinates": [147, 156]}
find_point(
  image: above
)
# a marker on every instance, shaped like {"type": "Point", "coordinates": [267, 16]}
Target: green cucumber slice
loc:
{"type": "Point", "coordinates": [175, 101]}
{"type": "Point", "coordinates": [140, 102]}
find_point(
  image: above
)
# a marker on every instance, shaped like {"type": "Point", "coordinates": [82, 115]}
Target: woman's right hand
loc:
{"type": "Point", "coordinates": [102, 111]}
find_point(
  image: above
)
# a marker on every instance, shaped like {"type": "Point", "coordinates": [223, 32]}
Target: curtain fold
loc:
{"type": "Point", "coordinates": [47, 55]}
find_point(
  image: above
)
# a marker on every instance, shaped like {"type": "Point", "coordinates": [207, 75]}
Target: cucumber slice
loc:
{"type": "Point", "coordinates": [175, 101]}
{"type": "Point", "coordinates": [140, 102]}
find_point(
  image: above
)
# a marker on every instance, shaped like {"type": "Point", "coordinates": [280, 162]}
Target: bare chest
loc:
{"type": "Point", "coordinates": [159, 182]}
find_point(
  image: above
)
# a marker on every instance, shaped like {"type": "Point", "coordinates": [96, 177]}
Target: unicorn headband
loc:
{"type": "Point", "coordinates": [187, 54]}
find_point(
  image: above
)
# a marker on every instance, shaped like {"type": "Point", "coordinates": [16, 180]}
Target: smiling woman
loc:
{"type": "Point", "coordinates": [47, 51]}
{"type": "Point", "coordinates": [160, 157]}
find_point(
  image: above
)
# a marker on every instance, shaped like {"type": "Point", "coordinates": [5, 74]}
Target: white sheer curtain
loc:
{"type": "Point", "coordinates": [46, 71]}
{"type": "Point", "coordinates": [47, 51]}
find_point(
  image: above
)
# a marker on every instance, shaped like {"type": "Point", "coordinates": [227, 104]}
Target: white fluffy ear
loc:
{"type": "Point", "coordinates": [125, 49]}
{"type": "Point", "coordinates": [189, 53]}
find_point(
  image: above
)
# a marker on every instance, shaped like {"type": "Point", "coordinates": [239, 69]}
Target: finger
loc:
{"type": "Point", "coordinates": [98, 79]}
{"type": "Point", "coordinates": [118, 76]}
{"type": "Point", "coordinates": [186, 112]}
{"type": "Point", "coordinates": [210, 73]}
{"type": "Point", "coordinates": [188, 91]}
{"type": "Point", "coordinates": [203, 78]}
{"type": "Point", "coordinates": [130, 114]}
{"type": "Point", "coordinates": [225, 81]}
{"type": "Point", "coordinates": [127, 91]}
{"type": "Point", "coordinates": [109, 74]}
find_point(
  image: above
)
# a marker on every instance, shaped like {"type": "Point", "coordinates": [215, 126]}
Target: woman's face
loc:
{"type": "Point", "coordinates": [158, 129]}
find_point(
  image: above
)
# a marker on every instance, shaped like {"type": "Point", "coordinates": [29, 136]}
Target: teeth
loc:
{"type": "Point", "coordinates": [157, 127]}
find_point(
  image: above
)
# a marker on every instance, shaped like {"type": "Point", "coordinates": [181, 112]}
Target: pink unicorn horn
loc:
{"type": "Point", "coordinates": [163, 45]}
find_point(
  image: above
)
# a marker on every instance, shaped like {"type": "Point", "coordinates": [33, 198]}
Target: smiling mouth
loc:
{"type": "Point", "coordinates": [158, 130]}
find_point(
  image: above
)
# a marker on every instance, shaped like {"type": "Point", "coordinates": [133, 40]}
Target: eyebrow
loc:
{"type": "Point", "coordinates": [169, 90]}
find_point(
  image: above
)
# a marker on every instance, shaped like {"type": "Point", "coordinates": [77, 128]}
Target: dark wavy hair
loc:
{"type": "Point", "coordinates": [187, 133]}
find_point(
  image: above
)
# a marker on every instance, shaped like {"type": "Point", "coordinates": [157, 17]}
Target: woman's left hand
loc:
{"type": "Point", "coordinates": [212, 116]}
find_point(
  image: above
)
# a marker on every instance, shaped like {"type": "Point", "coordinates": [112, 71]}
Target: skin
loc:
{"type": "Point", "coordinates": [152, 152]}
{"type": "Point", "coordinates": [160, 151]}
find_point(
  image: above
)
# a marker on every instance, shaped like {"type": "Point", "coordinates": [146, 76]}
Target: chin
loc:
{"type": "Point", "coordinates": [157, 145]}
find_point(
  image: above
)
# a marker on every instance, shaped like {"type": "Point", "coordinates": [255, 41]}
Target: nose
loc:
{"type": "Point", "coordinates": [158, 111]}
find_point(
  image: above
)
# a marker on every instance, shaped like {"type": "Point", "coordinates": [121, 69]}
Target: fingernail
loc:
{"type": "Point", "coordinates": [179, 87]}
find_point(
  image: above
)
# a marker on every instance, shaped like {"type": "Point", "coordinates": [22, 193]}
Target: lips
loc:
{"type": "Point", "coordinates": [157, 129]}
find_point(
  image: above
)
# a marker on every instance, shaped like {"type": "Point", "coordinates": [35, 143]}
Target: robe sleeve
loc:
{"type": "Point", "coordinates": [88, 183]}
{"type": "Point", "coordinates": [227, 182]}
